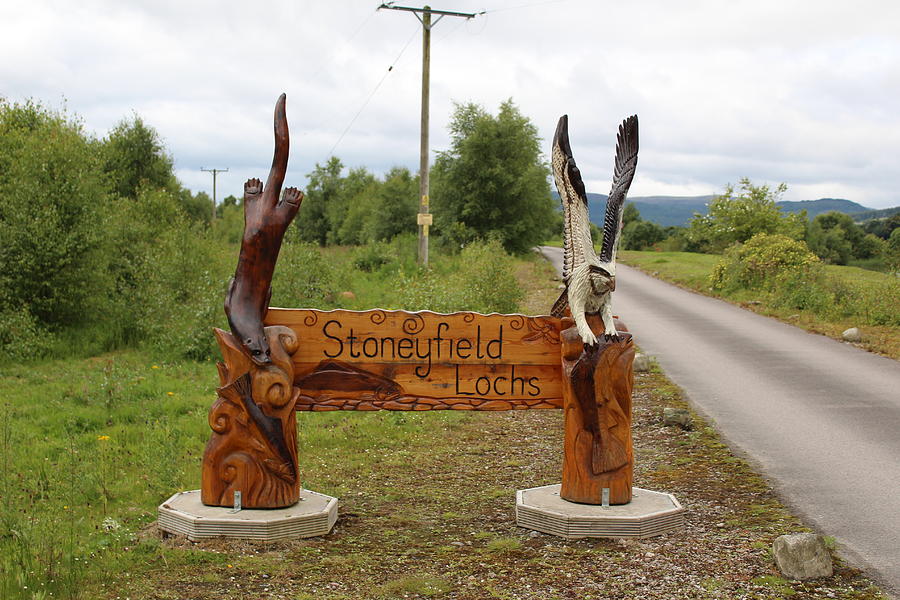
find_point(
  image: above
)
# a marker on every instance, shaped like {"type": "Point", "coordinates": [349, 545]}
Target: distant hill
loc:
{"type": "Point", "coordinates": [822, 205]}
{"type": "Point", "coordinates": [678, 210]}
{"type": "Point", "coordinates": [882, 213]}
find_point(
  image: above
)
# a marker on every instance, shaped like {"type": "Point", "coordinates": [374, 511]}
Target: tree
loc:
{"type": "Point", "coordinates": [134, 156]}
{"type": "Point", "coordinates": [52, 212]}
{"type": "Point", "coordinates": [324, 188]}
{"type": "Point", "coordinates": [493, 180]}
{"type": "Point", "coordinates": [738, 215]}
{"type": "Point", "coordinates": [630, 214]}
{"type": "Point", "coordinates": [638, 235]}
{"type": "Point", "coordinates": [892, 251]}
{"type": "Point", "coordinates": [395, 207]}
{"type": "Point", "coordinates": [834, 237]}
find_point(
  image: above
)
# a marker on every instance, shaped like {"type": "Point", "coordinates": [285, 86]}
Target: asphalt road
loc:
{"type": "Point", "coordinates": [820, 418]}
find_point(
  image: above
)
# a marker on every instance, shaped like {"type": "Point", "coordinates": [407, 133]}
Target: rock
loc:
{"type": "Point", "coordinates": [852, 335]}
{"type": "Point", "coordinates": [802, 556]}
{"type": "Point", "coordinates": [678, 416]}
{"type": "Point", "coordinates": [641, 363]}
{"type": "Point", "coordinates": [349, 295]}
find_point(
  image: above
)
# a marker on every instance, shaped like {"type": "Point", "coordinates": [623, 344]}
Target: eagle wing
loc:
{"type": "Point", "coordinates": [577, 243]}
{"type": "Point", "coordinates": [626, 161]}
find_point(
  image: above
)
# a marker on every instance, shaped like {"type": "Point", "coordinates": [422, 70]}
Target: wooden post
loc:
{"type": "Point", "coordinates": [597, 388]}
{"type": "Point", "coordinates": [253, 448]}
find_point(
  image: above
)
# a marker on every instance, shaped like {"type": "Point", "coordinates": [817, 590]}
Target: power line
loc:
{"type": "Point", "coordinates": [327, 62]}
{"type": "Point", "coordinates": [372, 93]}
{"type": "Point", "coordinates": [493, 10]}
{"type": "Point", "coordinates": [214, 172]}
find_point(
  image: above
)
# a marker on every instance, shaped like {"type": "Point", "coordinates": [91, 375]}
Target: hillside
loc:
{"type": "Point", "coordinates": [678, 210]}
{"type": "Point", "coordinates": [822, 205]}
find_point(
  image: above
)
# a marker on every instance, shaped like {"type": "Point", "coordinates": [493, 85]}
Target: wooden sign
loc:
{"type": "Point", "coordinates": [398, 360]}
{"type": "Point", "coordinates": [278, 361]}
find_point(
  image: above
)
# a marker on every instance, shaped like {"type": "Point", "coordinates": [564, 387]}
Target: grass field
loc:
{"type": "Point", "coordinates": [90, 447]}
{"type": "Point", "coordinates": [692, 270]}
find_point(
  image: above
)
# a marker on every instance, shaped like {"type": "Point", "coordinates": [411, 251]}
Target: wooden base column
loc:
{"type": "Point", "coordinates": [597, 388]}
{"type": "Point", "coordinates": [253, 447]}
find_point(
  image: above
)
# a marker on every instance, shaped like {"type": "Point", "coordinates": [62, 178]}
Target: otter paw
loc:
{"type": "Point", "coordinates": [293, 196]}
{"type": "Point", "coordinates": [253, 187]}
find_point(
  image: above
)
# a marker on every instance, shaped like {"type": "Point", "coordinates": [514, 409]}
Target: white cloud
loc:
{"type": "Point", "coordinates": [802, 92]}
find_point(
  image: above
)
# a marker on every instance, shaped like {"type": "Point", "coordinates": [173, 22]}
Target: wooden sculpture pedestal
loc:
{"type": "Point", "coordinates": [598, 460]}
{"type": "Point", "coordinates": [596, 497]}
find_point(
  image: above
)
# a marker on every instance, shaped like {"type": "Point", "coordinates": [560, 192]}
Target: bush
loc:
{"type": "Point", "coordinates": [21, 337]}
{"type": "Point", "coordinates": [303, 277]}
{"type": "Point", "coordinates": [373, 256]}
{"type": "Point", "coordinates": [638, 235]}
{"type": "Point", "coordinates": [764, 262]}
{"type": "Point", "coordinates": [738, 215]}
{"type": "Point", "coordinates": [484, 282]}
{"type": "Point", "coordinates": [177, 298]}
{"type": "Point", "coordinates": [891, 251]}
{"type": "Point", "coordinates": [52, 196]}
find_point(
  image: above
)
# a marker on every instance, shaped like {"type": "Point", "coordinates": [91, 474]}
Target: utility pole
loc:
{"type": "Point", "coordinates": [214, 173]}
{"type": "Point", "coordinates": [424, 217]}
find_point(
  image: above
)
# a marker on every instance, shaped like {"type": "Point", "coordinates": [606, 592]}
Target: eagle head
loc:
{"type": "Point", "coordinates": [602, 281]}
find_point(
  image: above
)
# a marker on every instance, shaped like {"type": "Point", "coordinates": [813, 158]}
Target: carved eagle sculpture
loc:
{"type": "Point", "coordinates": [591, 279]}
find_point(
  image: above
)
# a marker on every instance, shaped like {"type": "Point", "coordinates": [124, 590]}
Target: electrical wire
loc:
{"type": "Point", "coordinates": [327, 62]}
{"type": "Point", "coordinates": [493, 10]}
{"type": "Point", "coordinates": [372, 93]}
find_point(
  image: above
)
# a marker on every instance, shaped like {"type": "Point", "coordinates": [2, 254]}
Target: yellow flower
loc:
{"type": "Point", "coordinates": [102, 438]}
{"type": "Point", "coordinates": [66, 507]}
{"type": "Point", "coordinates": [155, 367]}
{"type": "Point", "coordinates": [170, 393]}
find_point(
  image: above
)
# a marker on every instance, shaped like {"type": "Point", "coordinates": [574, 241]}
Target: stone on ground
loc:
{"type": "Point", "coordinates": [802, 556]}
{"type": "Point", "coordinates": [852, 335]}
{"type": "Point", "coordinates": [641, 363]}
{"type": "Point", "coordinates": [678, 416]}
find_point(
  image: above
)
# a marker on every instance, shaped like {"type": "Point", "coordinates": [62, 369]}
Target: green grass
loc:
{"type": "Point", "coordinates": [90, 446]}
{"type": "Point", "coordinates": [865, 296]}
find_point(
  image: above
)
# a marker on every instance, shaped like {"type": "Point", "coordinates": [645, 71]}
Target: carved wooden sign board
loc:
{"type": "Point", "coordinates": [398, 360]}
{"type": "Point", "coordinates": [278, 361]}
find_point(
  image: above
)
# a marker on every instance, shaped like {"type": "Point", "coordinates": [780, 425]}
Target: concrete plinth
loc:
{"type": "Point", "coordinates": [184, 514]}
{"type": "Point", "coordinates": [647, 515]}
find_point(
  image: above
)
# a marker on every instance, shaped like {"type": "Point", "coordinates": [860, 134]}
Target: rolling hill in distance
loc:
{"type": "Point", "coordinates": [678, 210]}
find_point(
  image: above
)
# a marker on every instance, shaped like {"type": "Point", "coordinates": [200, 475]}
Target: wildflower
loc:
{"type": "Point", "coordinates": [155, 367]}
{"type": "Point", "coordinates": [170, 393]}
{"type": "Point", "coordinates": [102, 438]}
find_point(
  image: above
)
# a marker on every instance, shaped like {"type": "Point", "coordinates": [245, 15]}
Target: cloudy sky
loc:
{"type": "Point", "coordinates": [804, 92]}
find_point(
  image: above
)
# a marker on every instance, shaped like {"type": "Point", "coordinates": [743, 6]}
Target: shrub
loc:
{"type": "Point", "coordinates": [373, 256]}
{"type": "Point", "coordinates": [52, 200]}
{"type": "Point", "coordinates": [178, 299]}
{"type": "Point", "coordinates": [303, 277]}
{"type": "Point", "coordinates": [764, 262]}
{"type": "Point", "coordinates": [484, 282]}
{"type": "Point", "coordinates": [21, 337]}
{"type": "Point", "coordinates": [891, 251]}
{"type": "Point", "coordinates": [638, 235]}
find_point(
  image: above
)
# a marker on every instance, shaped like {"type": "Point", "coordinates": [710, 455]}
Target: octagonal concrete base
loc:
{"type": "Point", "coordinates": [647, 515]}
{"type": "Point", "coordinates": [184, 514]}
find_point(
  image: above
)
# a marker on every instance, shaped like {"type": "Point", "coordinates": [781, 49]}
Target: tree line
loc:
{"type": "Point", "coordinates": [102, 247]}
{"type": "Point", "coordinates": [745, 210]}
